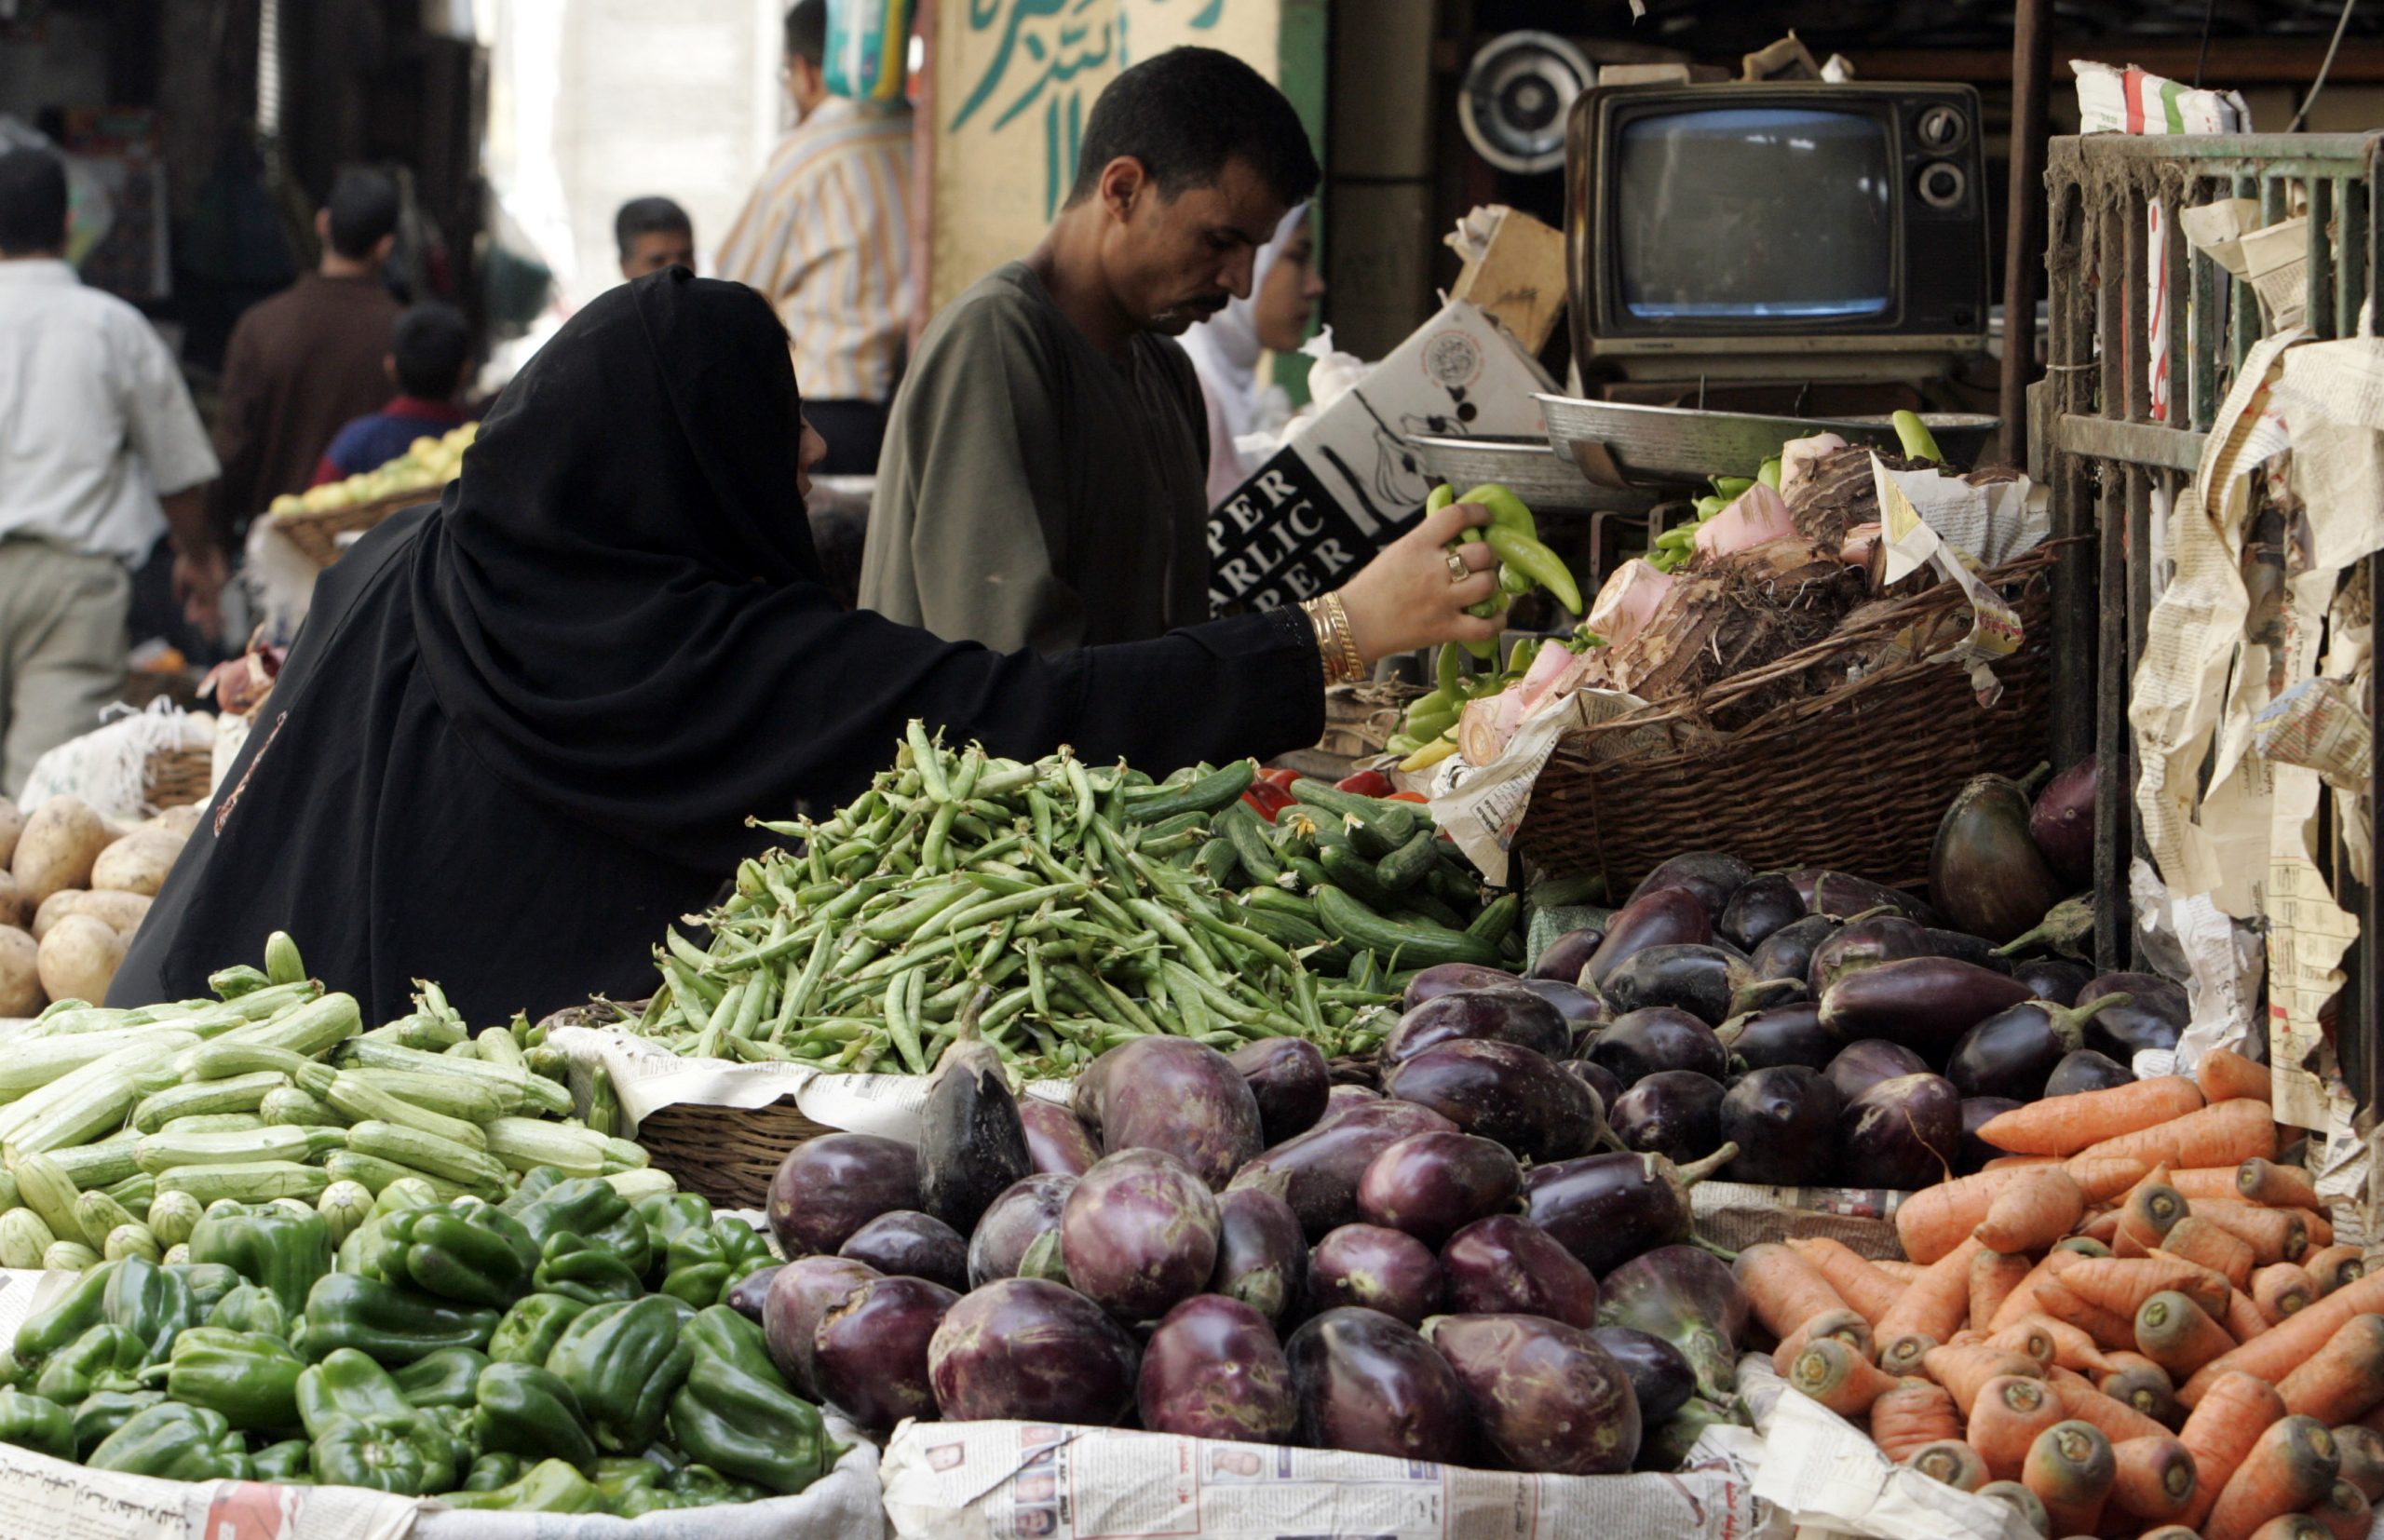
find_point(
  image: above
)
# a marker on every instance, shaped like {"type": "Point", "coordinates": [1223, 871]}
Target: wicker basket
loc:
{"type": "Point", "coordinates": [1854, 779]}
{"type": "Point", "coordinates": [727, 1154]}
{"type": "Point", "coordinates": [177, 778]}
{"type": "Point", "coordinates": [317, 534]}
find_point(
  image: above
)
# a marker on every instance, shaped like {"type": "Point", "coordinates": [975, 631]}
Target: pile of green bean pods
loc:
{"type": "Point", "coordinates": [1077, 897]}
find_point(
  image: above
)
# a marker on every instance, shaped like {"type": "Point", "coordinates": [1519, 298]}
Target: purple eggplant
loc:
{"type": "Point", "coordinates": [1056, 1140]}
{"type": "Point", "coordinates": [1783, 1034]}
{"type": "Point", "coordinates": [1668, 916]}
{"type": "Point", "coordinates": [1567, 957]}
{"type": "Point", "coordinates": [1597, 1077]}
{"type": "Point", "coordinates": [2061, 822]}
{"type": "Point", "coordinates": [803, 1290]}
{"type": "Point", "coordinates": [1842, 896]}
{"type": "Point", "coordinates": [1606, 1208]}
{"type": "Point", "coordinates": [1507, 1263]}
{"type": "Point", "coordinates": [1763, 906]}
{"type": "Point", "coordinates": [1713, 875]}
{"type": "Point", "coordinates": [1033, 1351]}
{"type": "Point", "coordinates": [1213, 1369]}
{"type": "Point", "coordinates": [2053, 979]}
{"type": "Point", "coordinates": [1861, 944]}
{"type": "Point", "coordinates": [1703, 981]}
{"type": "Point", "coordinates": [750, 1296]}
{"type": "Point", "coordinates": [869, 1351]}
{"type": "Point", "coordinates": [1924, 1003]}
{"type": "Point", "coordinates": [1860, 1066]}
{"type": "Point", "coordinates": [2087, 1070]}
{"type": "Point", "coordinates": [1502, 1092]}
{"type": "Point", "coordinates": [1507, 1014]}
{"type": "Point", "coordinates": [1660, 1377]}
{"type": "Point", "coordinates": [2012, 1052]}
{"type": "Point", "coordinates": [1788, 951]}
{"type": "Point", "coordinates": [1977, 1112]}
{"type": "Point", "coordinates": [1963, 947]}
{"type": "Point", "coordinates": [972, 1143]}
{"type": "Point", "coordinates": [1371, 1384]}
{"type": "Point", "coordinates": [1448, 977]}
{"type": "Point", "coordinates": [2153, 1015]}
{"type": "Point", "coordinates": [1029, 1209]}
{"type": "Point", "coordinates": [1687, 1297]}
{"type": "Point", "coordinates": [1902, 1134]}
{"type": "Point", "coordinates": [1677, 1113]}
{"type": "Point", "coordinates": [1341, 1098]}
{"type": "Point", "coordinates": [1985, 873]}
{"type": "Point", "coordinates": [1322, 1166]}
{"type": "Point", "coordinates": [1290, 1081]}
{"type": "Point", "coordinates": [1175, 1095]}
{"type": "Point", "coordinates": [1784, 1122]}
{"type": "Point", "coordinates": [1647, 1042]}
{"type": "Point", "coordinates": [1580, 1004]}
{"type": "Point", "coordinates": [1548, 1397]}
{"type": "Point", "coordinates": [1262, 1256]}
{"type": "Point", "coordinates": [903, 1243]}
{"type": "Point", "coordinates": [828, 1187]}
{"type": "Point", "coordinates": [1377, 1268]}
{"type": "Point", "coordinates": [1138, 1234]}
{"type": "Point", "coordinates": [1434, 1186]}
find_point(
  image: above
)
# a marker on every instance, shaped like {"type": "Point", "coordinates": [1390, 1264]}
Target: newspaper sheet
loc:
{"type": "Point", "coordinates": [1480, 806]}
{"type": "Point", "coordinates": [1740, 1214]}
{"type": "Point", "coordinates": [1927, 518]}
{"type": "Point", "coordinates": [1829, 1476]}
{"type": "Point", "coordinates": [1007, 1480]}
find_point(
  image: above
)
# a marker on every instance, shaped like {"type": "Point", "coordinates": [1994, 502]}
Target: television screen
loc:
{"type": "Point", "coordinates": [1731, 213]}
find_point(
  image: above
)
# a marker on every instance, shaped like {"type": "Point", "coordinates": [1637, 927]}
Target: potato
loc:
{"type": "Point", "coordinates": [78, 958]}
{"type": "Point", "coordinates": [138, 864]}
{"type": "Point", "coordinates": [121, 912]}
{"type": "Point", "coordinates": [13, 907]}
{"type": "Point", "coordinates": [60, 841]}
{"type": "Point", "coordinates": [19, 974]}
{"type": "Point", "coordinates": [12, 823]}
{"type": "Point", "coordinates": [181, 822]}
{"type": "Point", "coordinates": [55, 908]}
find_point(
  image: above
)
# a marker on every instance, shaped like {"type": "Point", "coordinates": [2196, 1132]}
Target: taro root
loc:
{"type": "Point", "coordinates": [1985, 873]}
{"type": "Point", "coordinates": [1509, 1013]}
{"type": "Point", "coordinates": [1029, 1209]}
{"type": "Point", "coordinates": [1213, 1370]}
{"type": "Point", "coordinates": [1548, 1397]}
{"type": "Point", "coordinates": [869, 1351]}
{"type": "Point", "coordinates": [1262, 1255]}
{"type": "Point", "coordinates": [1377, 1268]}
{"type": "Point", "coordinates": [911, 1245]}
{"type": "Point", "coordinates": [1372, 1386]}
{"type": "Point", "coordinates": [1506, 1263]}
{"type": "Point", "coordinates": [1174, 1095]}
{"type": "Point", "coordinates": [1501, 1092]}
{"type": "Point", "coordinates": [1025, 1349]}
{"type": "Point", "coordinates": [1320, 1168]}
{"type": "Point", "coordinates": [1138, 1234]}
{"type": "Point", "coordinates": [1056, 1137]}
{"type": "Point", "coordinates": [1432, 1185]}
{"type": "Point", "coordinates": [1290, 1081]}
{"type": "Point", "coordinates": [828, 1187]}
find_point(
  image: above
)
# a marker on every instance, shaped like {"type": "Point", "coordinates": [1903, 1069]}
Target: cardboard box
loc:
{"type": "Point", "coordinates": [1518, 277]}
{"type": "Point", "coordinates": [1349, 483]}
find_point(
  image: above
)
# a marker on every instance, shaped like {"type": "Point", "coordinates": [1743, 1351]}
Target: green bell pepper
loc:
{"type": "Point", "coordinates": [492, 1471]}
{"type": "Point", "coordinates": [467, 1250]}
{"type": "Point", "coordinates": [624, 1362]}
{"type": "Point", "coordinates": [407, 1455]}
{"type": "Point", "coordinates": [269, 1244]}
{"type": "Point", "coordinates": [392, 1324]}
{"type": "Point", "coordinates": [36, 1423]}
{"type": "Point", "coordinates": [251, 1308]}
{"type": "Point", "coordinates": [551, 1486]}
{"type": "Point", "coordinates": [445, 1378]}
{"type": "Point", "coordinates": [176, 1442]}
{"type": "Point", "coordinates": [531, 1328]}
{"type": "Point", "coordinates": [79, 1309]}
{"type": "Point", "coordinates": [209, 1282]}
{"type": "Point", "coordinates": [105, 1358]}
{"type": "Point", "coordinates": [524, 1409]}
{"type": "Point", "coordinates": [695, 1267]}
{"type": "Point", "coordinates": [285, 1462]}
{"type": "Point", "coordinates": [103, 1412]}
{"type": "Point", "coordinates": [153, 1303]}
{"type": "Point", "coordinates": [585, 1206]}
{"type": "Point", "coordinates": [345, 1387]}
{"type": "Point", "coordinates": [618, 1476]}
{"type": "Point", "coordinates": [745, 1246]}
{"type": "Point", "coordinates": [578, 1268]}
{"type": "Point", "coordinates": [736, 1414]}
{"type": "Point", "coordinates": [666, 1215]}
{"type": "Point", "coordinates": [698, 1486]}
{"type": "Point", "coordinates": [248, 1376]}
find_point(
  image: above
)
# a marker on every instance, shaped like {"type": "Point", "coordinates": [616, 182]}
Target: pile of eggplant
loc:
{"type": "Point", "coordinates": [1830, 1031]}
{"type": "Point", "coordinates": [1458, 1267]}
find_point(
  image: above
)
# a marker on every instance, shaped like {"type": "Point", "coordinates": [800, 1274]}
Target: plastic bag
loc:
{"type": "Point", "coordinates": [868, 52]}
{"type": "Point", "coordinates": [1335, 372]}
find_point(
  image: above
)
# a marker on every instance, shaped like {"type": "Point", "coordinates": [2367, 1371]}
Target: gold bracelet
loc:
{"type": "Point", "coordinates": [1337, 649]}
{"type": "Point", "coordinates": [1353, 666]}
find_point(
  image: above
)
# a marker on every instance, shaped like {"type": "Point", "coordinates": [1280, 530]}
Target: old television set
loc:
{"type": "Point", "coordinates": [1776, 231]}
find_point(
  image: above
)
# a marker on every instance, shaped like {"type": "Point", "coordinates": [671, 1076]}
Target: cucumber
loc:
{"type": "Point", "coordinates": [1218, 862]}
{"type": "Point", "coordinates": [1297, 935]}
{"type": "Point", "coordinates": [240, 1093]}
{"type": "Point", "coordinates": [1206, 795]}
{"type": "Point", "coordinates": [248, 1181]}
{"type": "Point", "coordinates": [1395, 821]}
{"type": "Point", "coordinates": [1249, 847]}
{"type": "Point", "coordinates": [1311, 874]}
{"type": "Point", "coordinates": [1497, 921]}
{"type": "Point", "coordinates": [1282, 902]}
{"type": "Point", "coordinates": [1355, 876]}
{"type": "Point", "coordinates": [1408, 864]}
{"type": "Point", "coordinates": [1409, 945]}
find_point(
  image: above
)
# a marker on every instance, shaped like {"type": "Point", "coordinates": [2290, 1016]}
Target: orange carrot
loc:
{"type": "Point", "coordinates": [2259, 1181]}
{"type": "Point", "coordinates": [2201, 1182]}
{"type": "Point", "coordinates": [2333, 1268]}
{"type": "Point", "coordinates": [2020, 1301]}
{"type": "Point", "coordinates": [2321, 1228]}
{"type": "Point", "coordinates": [2145, 1385]}
{"type": "Point", "coordinates": [2274, 1234]}
{"type": "Point", "coordinates": [2005, 1163]}
{"type": "Point", "coordinates": [2166, 1531]}
{"type": "Point", "coordinates": [2070, 1468]}
{"type": "Point", "coordinates": [2222, 1132]}
{"type": "Point", "coordinates": [2121, 1285]}
{"type": "Point", "coordinates": [2081, 1400]}
{"type": "Point", "coordinates": [2221, 1432]}
{"type": "Point", "coordinates": [2276, 1352]}
{"type": "Point", "coordinates": [2344, 1379]}
{"type": "Point", "coordinates": [1902, 1272]}
{"type": "Point", "coordinates": [2282, 1289]}
{"type": "Point", "coordinates": [1841, 1323]}
{"type": "Point", "coordinates": [2103, 1229]}
{"type": "Point", "coordinates": [2005, 1420]}
{"type": "Point", "coordinates": [2292, 1526]}
{"type": "Point", "coordinates": [2362, 1451]}
{"type": "Point", "coordinates": [2292, 1464]}
{"type": "Point", "coordinates": [2030, 1337]}
{"type": "Point", "coordinates": [1935, 1220]}
{"type": "Point", "coordinates": [2179, 1334]}
{"type": "Point", "coordinates": [2344, 1511]}
{"type": "Point", "coordinates": [1931, 1307]}
{"type": "Point", "coordinates": [1784, 1288]}
{"type": "Point", "coordinates": [1912, 1415]}
{"type": "Point", "coordinates": [2103, 1181]}
{"type": "Point", "coordinates": [2212, 1246]}
{"type": "Point", "coordinates": [2032, 1211]}
{"type": "Point", "coordinates": [2105, 1327]}
{"type": "Point", "coordinates": [1837, 1376]}
{"type": "Point", "coordinates": [2066, 1124]}
{"type": "Point", "coordinates": [2147, 1214]}
{"type": "Point", "coordinates": [1993, 1277]}
{"type": "Point", "coordinates": [2072, 1348]}
{"type": "Point", "coordinates": [2226, 1075]}
{"type": "Point", "coordinates": [1853, 1277]}
{"type": "Point", "coordinates": [2154, 1476]}
{"type": "Point", "coordinates": [1964, 1370]}
{"type": "Point", "coordinates": [1950, 1461]}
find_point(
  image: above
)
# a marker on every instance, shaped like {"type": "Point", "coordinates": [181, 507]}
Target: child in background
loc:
{"type": "Point", "coordinates": [430, 361]}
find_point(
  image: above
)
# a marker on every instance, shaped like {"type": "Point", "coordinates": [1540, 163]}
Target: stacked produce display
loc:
{"type": "Point", "coordinates": [76, 889]}
{"type": "Point", "coordinates": [428, 465]}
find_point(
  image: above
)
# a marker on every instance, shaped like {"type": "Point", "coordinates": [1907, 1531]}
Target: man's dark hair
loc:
{"type": "Point", "coordinates": [648, 216]}
{"type": "Point", "coordinates": [1183, 114]}
{"type": "Point", "coordinates": [430, 343]}
{"type": "Point", "coordinates": [32, 202]}
{"type": "Point", "coordinates": [806, 30]}
{"type": "Point", "coordinates": [363, 207]}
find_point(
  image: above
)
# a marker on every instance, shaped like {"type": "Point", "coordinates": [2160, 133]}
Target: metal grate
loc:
{"type": "Point", "coordinates": [2096, 439]}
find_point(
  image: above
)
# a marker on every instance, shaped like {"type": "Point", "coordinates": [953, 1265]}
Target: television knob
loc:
{"type": "Point", "coordinates": [1939, 129]}
{"type": "Point", "coordinates": [1943, 184]}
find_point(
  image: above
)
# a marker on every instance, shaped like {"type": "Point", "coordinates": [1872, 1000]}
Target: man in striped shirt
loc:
{"type": "Point", "coordinates": [825, 237]}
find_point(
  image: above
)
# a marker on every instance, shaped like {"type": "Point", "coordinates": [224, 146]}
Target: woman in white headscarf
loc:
{"type": "Point", "coordinates": [1284, 286]}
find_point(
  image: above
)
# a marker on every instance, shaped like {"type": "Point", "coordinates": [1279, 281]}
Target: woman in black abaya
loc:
{"type": "Point", "coordinates": [521, 732]}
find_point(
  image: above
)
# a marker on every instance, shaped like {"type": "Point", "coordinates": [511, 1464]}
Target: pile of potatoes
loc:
{"type": "Point", "coordinates": [74, 888]}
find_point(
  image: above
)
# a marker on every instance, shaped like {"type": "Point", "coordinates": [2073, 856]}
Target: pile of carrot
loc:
{"type": "Point", "coordinates": [2136, 1326]}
